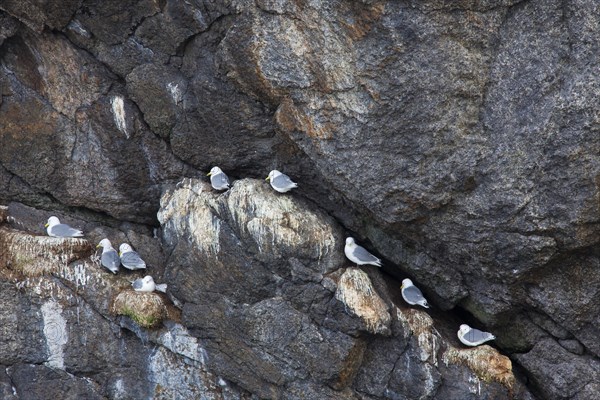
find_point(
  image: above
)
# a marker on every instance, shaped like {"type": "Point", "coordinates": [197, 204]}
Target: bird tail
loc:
{"type": "Point", "coordinates": [162, 287]}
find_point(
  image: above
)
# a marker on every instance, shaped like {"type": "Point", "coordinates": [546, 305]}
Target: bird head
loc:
{"type": "Point", "coordinates": [104, 243]}
{"type": "Point", "coordinates": [124, 248]}
{"type": "Point", "coordinates": [273, 174]}
{"type": "Point", "coordinates": [464, 328]}
{"type": "Point", "coordinates": [406, 283]}
{"type": "Point", "coordinates": [52, 221]}
{"type": "Point", "coordinates": [214, 171]}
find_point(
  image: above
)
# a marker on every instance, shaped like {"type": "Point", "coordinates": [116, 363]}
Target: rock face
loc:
{"type": "Point", "coordinates": [456, 140]}
{"type": "Point", "coordinates": [263, 284]}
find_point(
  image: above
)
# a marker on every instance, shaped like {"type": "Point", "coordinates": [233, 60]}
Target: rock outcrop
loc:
{"type": "Point", "coordinates": [456, 140]}
{"type": "Point", "coordinates": [263, 285]}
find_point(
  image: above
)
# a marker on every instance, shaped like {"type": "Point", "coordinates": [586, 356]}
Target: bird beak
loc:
{"type": "Point", "coordinates": [120, 254]}
{"type": "Point", "coordinates": [46, 225]}
{"type": "Point", "coordinates": [97, 246]}
{"type": "Point", "coordinates": [267, 178]}
{"type": "Point", "coordinates": [402, 286]}
{"type": "Point", "coordinates": [209, 174]}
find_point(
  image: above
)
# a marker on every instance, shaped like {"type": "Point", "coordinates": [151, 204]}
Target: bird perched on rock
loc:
{"type": "Point", "coordinates": [473, 337]}
{"type": "Point", "coordinates": [218, 179]}
{"type": "Point", "coordinates": [281, 182]}
{"type": "Point", "coordinates": [56, 229]}
{"type": "Point", "coordinates": [359, 255]}
{"type": "Point", "coordinates": [412, 294]}
{"type": "Point", "coordinates": [146, 284]}
{"type": "Point", "coordinates": [110, 257]}
{"type": "Point", "coordinates": [130, 259]}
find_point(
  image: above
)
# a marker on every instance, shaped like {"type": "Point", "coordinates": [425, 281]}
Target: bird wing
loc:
{"type": "Point", "coordinates": [132, 260]}
{"type": "Point", "coordinates": [477, 336]}
{"type": "Point", "coordinates": [220, 180]}
{"type": "Point", "coordinates": [364, 256]}
{"type": "Point", "coordinates": [162, 287]}
{"type": "Point", "coordinates": [64, 230]}
{"type": "Point", "coordinates": [412, 294]}
{"type": "Point", "coordinates": [110, 259]}
{"type": "Point", "coordinates": [283, 181]}
{"type": "Point", "coordinates": [137, 284]}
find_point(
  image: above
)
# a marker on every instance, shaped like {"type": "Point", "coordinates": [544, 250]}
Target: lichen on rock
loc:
{"type": "Point", "coordinates": [486, 362]}
{"type": "Point", "coordinates": [356, 291]}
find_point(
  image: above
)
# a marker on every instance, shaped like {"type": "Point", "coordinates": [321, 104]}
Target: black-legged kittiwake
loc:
{"type": "Point", "coordinates": [146, 284]}
{"type": "Point", "coordinates": [218, 179]}
{"type": "Point", "coordinates": [359, 255]}
{"type": "Point", "coordinates": [281, 182]}
{"type": "Point", "coordinates": [412, 294]}
{"type": "Point", "coordinates": [110, 257]}
{"type": "Point", "coordinates": [56, 229]}
{"type": "Point", "coordinates": [473, 337]}
{"type": "Point", "coordinates": [130, 258]}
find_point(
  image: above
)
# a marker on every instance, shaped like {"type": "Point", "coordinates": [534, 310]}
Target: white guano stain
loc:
{"type": "Point", "coordinates": [176, 93]}
{"type": "Point", "coordinates": [178, 340]}
{"type": "Point", "coordinates": [118, 109]}
{"type": "Point", "coordinates": [356, 291]}
{"type": "Point", "coordinates": [55, 332]}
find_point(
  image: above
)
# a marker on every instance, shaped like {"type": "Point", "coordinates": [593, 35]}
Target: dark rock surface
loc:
{"type": "Point", "coordinates": [457, 140]}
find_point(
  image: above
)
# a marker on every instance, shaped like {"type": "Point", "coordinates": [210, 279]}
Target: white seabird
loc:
{"type": "Point", "coordinates": [281, 182]}
{"type": "Point", "coordinates": [359, 255]}
{"type": "Point", "coordinates": [110, 257]}
{"type": "Point", "coordinates": [56, 229]}
{"type": "Point", "coordinates": [412, 294]}
{"type": "Point", "coordinates": [218, 179]}
{"type": "Point", "coordinates": [130, 259]}
{"type": "Point", "coordinates": [473, 337]}
{"type": "Point", "coordinates": [146, 284]}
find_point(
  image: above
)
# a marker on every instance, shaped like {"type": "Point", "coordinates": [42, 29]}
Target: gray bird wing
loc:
{"type": "Point", "coordinates": [476, 336]}
{"type": "Point", "coordinates": [412, 294]}
{"type": "Point", "coordinates": [219, 181]}
{"type": "Point", "coordinates": [64, 230]}
{"type": "Point", "coordinates": [110, 260]}
{"type": "Point", "coordinates": [283, 181]}
{"type": "Point", "coordinates": [363, 255]}
{"type": "Point", "coordinates": [132, 260]}
{"type": "Point", "coordinates": [137, 284]}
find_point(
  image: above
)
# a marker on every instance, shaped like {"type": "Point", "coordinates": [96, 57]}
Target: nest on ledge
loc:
{"type": "Point", "coordinates": [147, 309]}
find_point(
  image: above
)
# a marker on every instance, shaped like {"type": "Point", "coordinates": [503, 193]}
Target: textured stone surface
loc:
{"type": "Point", "coordinates": [264, 287]}
{"type": "Point", "coordinates": [62, 339]}
{"type": "Point", "coordinates": [457, 140]}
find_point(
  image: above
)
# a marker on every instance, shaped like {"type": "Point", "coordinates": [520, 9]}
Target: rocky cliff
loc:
{"type": "Point", "coordinates": [456, 140]}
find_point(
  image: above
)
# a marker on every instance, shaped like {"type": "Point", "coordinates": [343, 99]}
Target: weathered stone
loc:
{"type": "Point", "coordinates": [8, 27]}
{"type": "Point", "coordinates": [355, 290]}
{"type": "Point", "coordinates": [38, 14]}
{"type": "Point", "coordinates": [457, 140]}
{"type": "Point", "coordinates": [38, 382]}
{"type": "Point", "coordinates": [62, 321]}
{"type": "Point", "coordinates": [573, 346]}
{"type": "Point", "coordinates": [556, 373]}
{"type": "Point", "coordinates": [233, 254]}
{"type": "Point", "coordinates": [88, 146]}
